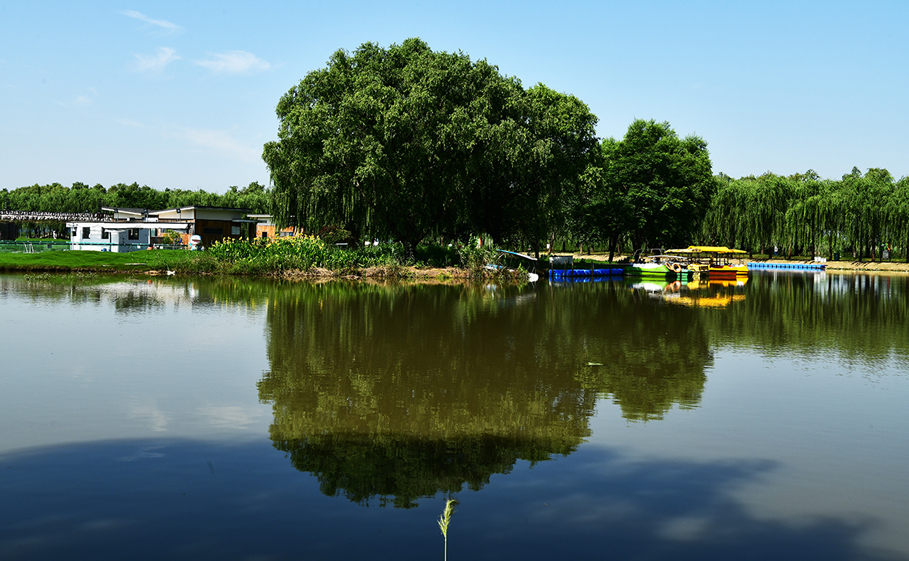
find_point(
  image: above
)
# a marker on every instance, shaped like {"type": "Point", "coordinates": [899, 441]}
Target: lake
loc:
{"type": "Point", "coordinates": [166, 418]}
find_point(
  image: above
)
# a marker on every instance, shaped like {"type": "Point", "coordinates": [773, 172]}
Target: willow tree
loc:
{"type": "Point", "coordinates": [542, 164]}
{"type": "Point", "coordinates": [865, 201]}
{"type": "Point", "coordinates": [897, 213]}
{"type": "Point", "coordinates": [804, 214]}
{"type": "Point", "coordinates": [406, 142]}
{"type": "Point", "coordinates": [726, 221]}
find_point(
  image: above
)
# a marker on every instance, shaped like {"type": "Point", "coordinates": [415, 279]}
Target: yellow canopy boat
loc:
{"type": "Point", "coordinates": [718, 262]}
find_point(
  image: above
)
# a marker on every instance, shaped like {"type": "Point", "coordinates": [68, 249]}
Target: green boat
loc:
{"type": "Point", "coordinates": [658, 270]}
{"type": "Point", "coordinates": [657, 265]}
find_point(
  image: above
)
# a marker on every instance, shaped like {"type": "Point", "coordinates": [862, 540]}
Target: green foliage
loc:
{"type": "Point", "coordinates": [81, 198]}
{"type": "Point", "coordinates": [804, 215]}
{"type": "Point", "coordinates": [406, 142]}
{"type": "Point", "coordinates": [171, 237]}
{"type": "Point", "coordinates": [270, 255]}
{"type": "Point", "coordinates": [475, 256]}
{"type": "Point", "coordinates": [651, 187]}
{"type": "Point", "coordinates": [437, 256]}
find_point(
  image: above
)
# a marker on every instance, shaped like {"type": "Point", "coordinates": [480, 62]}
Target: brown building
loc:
{"type": "Point", "coordinates": [265, 228]}
{"type": "Point", "coordinates": [210, 223]}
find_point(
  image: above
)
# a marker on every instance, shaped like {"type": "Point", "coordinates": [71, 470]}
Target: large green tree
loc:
{"type": "Point", "coordinates": [651, 187]}
{"type": "Point", "coordinates": [406, 142]}
{"type": "Point", "coordinates": [665, 182]}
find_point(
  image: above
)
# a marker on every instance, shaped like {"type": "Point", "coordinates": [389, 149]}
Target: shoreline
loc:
{"type": "Point", "coordinates": [839, 266]}
{"type": "Point", "coordinates": [406, 273]}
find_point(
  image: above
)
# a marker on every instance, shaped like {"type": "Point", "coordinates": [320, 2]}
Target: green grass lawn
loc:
{"type": "Point", "coordinates": [159, 259]}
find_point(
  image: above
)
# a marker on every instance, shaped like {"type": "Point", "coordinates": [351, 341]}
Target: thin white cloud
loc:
{"type": "Point", "coordinates": [131, 123]}
{"type": "Point", "coordinates": [156, 62]}
{"type": "Point", "coordinates": [219, 141]}
{"type": "Point", "coordinates": [85, 100]}
{"type": "Point", "coordinates": [234, 62]}
{"type": "Point", "coordinates": [170, 27]}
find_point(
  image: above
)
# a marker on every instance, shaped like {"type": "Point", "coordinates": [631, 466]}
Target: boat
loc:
{"type": "Point", "coordinates": [528, 263]}
{"type": "Point", "coordinates": [716, 262]}
{"type": "Point", "coordinates": [658, 264]}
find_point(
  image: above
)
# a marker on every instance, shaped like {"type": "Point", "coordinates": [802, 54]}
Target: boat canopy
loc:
{"type": "Point", "coordinates": [706, 249]}
{"type": "Point", "coordinates": [522, 255]}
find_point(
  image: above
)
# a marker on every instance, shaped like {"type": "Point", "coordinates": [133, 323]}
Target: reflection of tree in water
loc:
{"type": "Point", "coordinates": [653, 355]}
{"type": "Point", "coordinates": [405, 391]}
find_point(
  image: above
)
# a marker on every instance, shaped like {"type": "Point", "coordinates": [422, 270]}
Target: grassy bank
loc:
{"type": "Point", "coordinates": [69, 261]}
{"type": "Point", "coordinates": [308, 256]}
{"type": "Point", "coordinates": [298, 256]}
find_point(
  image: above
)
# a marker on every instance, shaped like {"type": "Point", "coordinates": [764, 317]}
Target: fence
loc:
{"type": "Point", "coordinates": [42, 246]}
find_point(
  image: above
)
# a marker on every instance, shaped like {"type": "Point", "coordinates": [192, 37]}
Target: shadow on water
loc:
{"type": "Point", "coordinates": [197, 500]}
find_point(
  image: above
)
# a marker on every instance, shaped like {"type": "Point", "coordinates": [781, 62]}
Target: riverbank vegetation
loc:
{"type": "Point", "coordinates": [285, 256]}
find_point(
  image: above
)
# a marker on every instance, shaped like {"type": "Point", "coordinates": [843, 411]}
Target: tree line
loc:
{"type": "Point", "coordinates": [81, 198]}
{"type": "Point", "coordinates": [860, 215]}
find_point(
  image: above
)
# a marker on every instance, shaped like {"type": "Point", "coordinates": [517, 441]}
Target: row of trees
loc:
{"type": "Point", "coordinates": [861, 214]}
{"type": "Point", "coordinates": [82, 198]}
{"type": "Point", "coordinates": [407, 143]}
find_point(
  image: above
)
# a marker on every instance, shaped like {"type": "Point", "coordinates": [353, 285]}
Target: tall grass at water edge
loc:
{"type": "Point", "coordinates": [303, 253]}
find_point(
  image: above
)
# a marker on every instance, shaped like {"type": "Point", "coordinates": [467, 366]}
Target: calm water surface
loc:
{"type": "Point", "coordinates": [237, 419]}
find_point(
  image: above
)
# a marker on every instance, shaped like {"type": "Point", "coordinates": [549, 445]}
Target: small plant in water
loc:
{"type": "Point", "coordinates": [445, 519]}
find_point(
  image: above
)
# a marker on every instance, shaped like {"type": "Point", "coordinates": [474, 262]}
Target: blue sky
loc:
{"type": "Point", "coordinates": [181, 95]}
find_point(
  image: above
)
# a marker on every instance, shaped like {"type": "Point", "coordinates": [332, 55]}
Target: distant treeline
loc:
{"type": "Point", "coordinates": [802, 215]}
{"type": "Point", "coordinates": [83, 198]}
{"type": "Point", "coordinates": [857, 216]}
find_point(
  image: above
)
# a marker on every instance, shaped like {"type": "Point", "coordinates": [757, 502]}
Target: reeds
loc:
{"type": "Point", "coordinates": [445, 520]}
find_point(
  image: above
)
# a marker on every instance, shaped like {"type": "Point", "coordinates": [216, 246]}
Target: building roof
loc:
{"type": "Point", "coordinates": [200, 207]}
{"type": "Point", "coordinates": [139, 211]}
{"type": "Point", "coordinates": [132, 225]}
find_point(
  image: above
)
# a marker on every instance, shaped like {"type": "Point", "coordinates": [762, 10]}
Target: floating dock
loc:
{"type": "Point", "coordinates": [768, 265]}
{"type": "Point", "coordinates": [574, 273]}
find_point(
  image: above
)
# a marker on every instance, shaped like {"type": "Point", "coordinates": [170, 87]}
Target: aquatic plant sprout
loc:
{"type": "Point", "coordinates": [445, 519]}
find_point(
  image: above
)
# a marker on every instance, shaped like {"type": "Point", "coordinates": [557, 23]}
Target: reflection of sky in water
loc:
{"type": "Point", "coordinates": [166, 363]}
{"type": "Point", "coordinates": [835, 435]}
{"type": "Point", "coordinates": [158, 433]}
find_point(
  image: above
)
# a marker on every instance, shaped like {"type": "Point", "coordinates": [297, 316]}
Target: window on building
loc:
{"type": "Point", "coordinates": [105, 234]}
{"type": "Point", "coordinates": [133, 234]}
{"type": "Point", "coordinates": [213, 231]}
{"type": "Point", "coordinates": [86, 232]}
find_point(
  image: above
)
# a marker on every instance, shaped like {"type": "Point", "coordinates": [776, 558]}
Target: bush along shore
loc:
{"type": "Point", "coordinates": [288, 257]}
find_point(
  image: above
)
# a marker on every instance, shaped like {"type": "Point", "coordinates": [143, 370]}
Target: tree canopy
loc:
{"type": "Point", "coordinates": [801, 214]}
{"type": "Point", "coordinates": [406, 142]}
{"type": "Point", "coordinates": [651, 186]}
{"type": "Point", "coordinates": [82, 198]}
